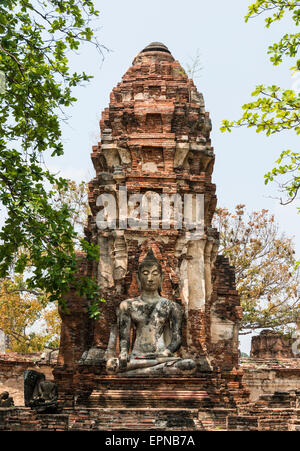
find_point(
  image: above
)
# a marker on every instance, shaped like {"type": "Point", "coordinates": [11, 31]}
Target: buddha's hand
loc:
{"type": "Point", "coordinates": [166, 353]}
{"type": "Point", "coordinates": [112, 365]}
{"type": "Point", "coordinates": [123, 359]}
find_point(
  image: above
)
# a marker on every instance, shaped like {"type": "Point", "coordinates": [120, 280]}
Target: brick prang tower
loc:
{"type": "Point", "coordinates": [155, 141]}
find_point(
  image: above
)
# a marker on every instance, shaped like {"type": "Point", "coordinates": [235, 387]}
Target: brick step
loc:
{"type": "Point", "coordinates": [275, 424]}
{"type": "Point", "coordinates": [294, 425]}
{"type": "Point", "coordinates": [241, 423]}
{"type": "Point", "coordinates": [24, 419]}
{"type": "Point", "coordinates": [134, 419]}
{"type": "Point", "coordinates": [215, 419]}
{"type": "Point", "coordinates": [93, 419]}
{"type": "Point", "coordinates": [157, 398]}
{"type": "Point", "coordinates": [266, 412]}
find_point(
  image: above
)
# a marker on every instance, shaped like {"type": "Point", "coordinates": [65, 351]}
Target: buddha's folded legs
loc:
{"type": "Point", "coordinates": [174, 366]}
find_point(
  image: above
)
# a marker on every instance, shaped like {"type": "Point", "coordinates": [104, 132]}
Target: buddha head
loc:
{"type": "Point", "coordinates": [150, 274]}
{"type": "Point", "coordinates": [4, 395]}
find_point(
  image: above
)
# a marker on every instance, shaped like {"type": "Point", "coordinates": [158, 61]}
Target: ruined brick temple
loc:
{"type": "Point", "coordinates": [155, 144]}
{"type": "Point", "coordinates": [155, 139]}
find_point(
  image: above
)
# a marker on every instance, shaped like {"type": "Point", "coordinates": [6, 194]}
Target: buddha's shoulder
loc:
{"type": "Point", "coordinates": [128, 302]}
{"type": "Point", "coordinates": [165, 300]}
{"type": "Point", "coordinates": [169, 302]}
{"type": "Point", "coordinates": [172, 305]}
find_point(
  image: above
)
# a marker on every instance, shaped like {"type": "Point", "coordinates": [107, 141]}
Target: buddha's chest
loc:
{"type": "Point", "coordinates": [156, 314]}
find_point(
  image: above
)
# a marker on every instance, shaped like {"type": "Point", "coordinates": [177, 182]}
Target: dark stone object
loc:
{"type": "Point", "coordinates": [6, 400]}
{"type": "Point", "coordinates": [40, 394]}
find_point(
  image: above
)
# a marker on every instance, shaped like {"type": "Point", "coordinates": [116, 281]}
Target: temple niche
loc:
{"type": "Point", "coordinates": [171, 318]}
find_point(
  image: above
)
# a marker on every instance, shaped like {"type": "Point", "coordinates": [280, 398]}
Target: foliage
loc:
{"type": "Point", "coordinates": [264, 265]}
{"type": "Point", "coordinates": [23, 310]}
{"type": "Point", "coordinates": [35, 38]}
{"type": "Point", "coordinates": [276, 109]}
{"type": "Point", "coordinates": [20, 311]}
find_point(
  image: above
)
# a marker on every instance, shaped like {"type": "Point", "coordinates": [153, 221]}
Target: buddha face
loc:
{"type": "Point", "coordinates": [150, 277]}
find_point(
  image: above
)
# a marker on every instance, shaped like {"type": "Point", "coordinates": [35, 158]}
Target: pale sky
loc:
{"type": "Point", "coordinates": [234, 59]}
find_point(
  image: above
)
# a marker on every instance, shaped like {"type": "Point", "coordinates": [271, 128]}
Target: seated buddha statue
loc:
{"type": "Point", "coordinates": [157, 324]}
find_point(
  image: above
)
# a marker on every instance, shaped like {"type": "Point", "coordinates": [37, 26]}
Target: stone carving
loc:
{"type": "Point", "coordinates": [6, 400]}
{"type": "Point", "coordinates": [157, 324]}
{"type": "Point", "coordinates": [40, 394]}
